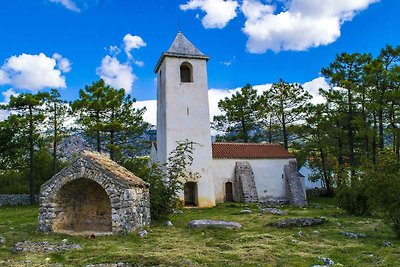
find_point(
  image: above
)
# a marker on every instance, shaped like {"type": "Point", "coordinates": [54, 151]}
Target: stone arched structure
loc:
{"type": "Point", "coordinates": [94, 194]}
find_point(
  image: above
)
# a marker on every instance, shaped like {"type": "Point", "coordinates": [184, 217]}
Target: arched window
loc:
{"type": "Point", "coordinates": [186, 72]}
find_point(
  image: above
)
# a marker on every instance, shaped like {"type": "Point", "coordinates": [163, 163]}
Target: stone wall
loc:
{"type": "Point", "coordinates": [295, 188]}
{"type": "Point", "coordinates": [15, 200]}
{"type": "Point", "coordinates": [244, 186]}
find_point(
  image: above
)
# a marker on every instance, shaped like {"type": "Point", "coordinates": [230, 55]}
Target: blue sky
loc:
{"type": "Point", "coordinates": [67, 42]}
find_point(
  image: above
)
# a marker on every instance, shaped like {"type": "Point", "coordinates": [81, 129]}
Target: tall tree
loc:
{"type": "Point", "coordinates": [92, 108]}
{"type": "Point", "coordinates": [288, 104]}
{"type": "Point", "coordinates": [240, 115]}
{"type": "Point", "coordinates": [346, 72]}
{"type": "Point", "coordinates": [30, 108]}
{"type": "Point", "coordinates": [110, 117]}
{"type": "Point", "coordinates": [57, 111]}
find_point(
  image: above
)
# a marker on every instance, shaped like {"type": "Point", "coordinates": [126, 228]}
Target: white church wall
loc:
{"type": "Point", "coordinates": [267, 175]}
{"type": "Point", "coordinates": [186, 116]}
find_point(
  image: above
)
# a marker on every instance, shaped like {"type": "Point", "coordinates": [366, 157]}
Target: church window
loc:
{"type": "Point", "coordinates": [186, 72]}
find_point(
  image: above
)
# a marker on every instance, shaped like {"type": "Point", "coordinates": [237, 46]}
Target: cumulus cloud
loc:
{"type": "Point", "coordinates": [302, 25]}
{"type": "Point", "coordinates": [116, 74]}
{"type": "Point", "coordinates": [69, 4]}
{"type": "Point", "coordinates": [132, 42]}
{"type": "Point", "coordinates": [114, 50]}
{"type": "Point", "coordinates": [218, 12]}
{"type": "Point", "coordinates": [34, 72]}
{"type": "Point", "coordinates": [150, 115]}
{"type": "Point", "coordinates": [313, 88]}
{"type": "Point", "coordinates": [63, 64]}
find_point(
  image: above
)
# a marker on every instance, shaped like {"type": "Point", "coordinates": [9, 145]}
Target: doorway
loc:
{"type": "Point", "coordinates": [228, 192]}
{"type": "Point", "coordinates": [190, 192]}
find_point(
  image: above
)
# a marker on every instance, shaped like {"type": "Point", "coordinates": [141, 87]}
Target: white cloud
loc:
{"type": "Point", "coordinates": [63, 64]}
{"type": "Point", "coordinates": [114, 50]}
{"type": "Point", "coordinates": [7, 95]}
{"type": "Point", "coordinates": [304, 24]}
{"type": "Point", "coordinates": [132, 42]}
{"type": "Point", "coordinates": [313, 88]}
{"type": "Point", "coordinates": [116, 74]}
{"type": "Point", "coordinates": [69, 4]}
{"type": "Point", "coordinates": [33, 72]}
{"type": "Point", "coordinates": [218, 12]}
{"type": "Point", "coordinates": [150, 115]}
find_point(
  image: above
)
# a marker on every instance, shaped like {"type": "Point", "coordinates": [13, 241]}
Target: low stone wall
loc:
{"type": "Point", "coordinates": [15, 199]}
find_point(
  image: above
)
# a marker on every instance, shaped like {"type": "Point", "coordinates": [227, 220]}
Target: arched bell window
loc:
{"type": "Point", "coordinates": [186, 72]}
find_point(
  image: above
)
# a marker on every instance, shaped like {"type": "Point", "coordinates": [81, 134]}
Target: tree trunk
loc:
{"type": "Point", "coordinates": [285, 138]}
{"type": "Point", "coordinates": [351, 134]}
{"type": "Point", "coordinates": [270, 130]}
{"type": "Point", "coordinates": [54, 163]}
{"type": "Point", "coordinates": [31, 159]}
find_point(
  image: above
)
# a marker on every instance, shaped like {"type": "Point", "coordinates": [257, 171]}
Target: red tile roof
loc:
{"type": "Point", "coordinates": [249, 151]}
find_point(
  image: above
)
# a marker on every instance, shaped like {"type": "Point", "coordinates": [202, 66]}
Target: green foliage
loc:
{"type": "Point", "coordinates": [109, 118]}
{"type": "Point", "coordinates": [240, 115]}
{"type": "Point", "coordinates": [165, 181]}
{"type": "Point", "coordinates": [384, 187]}
{"type": "Point", "coordinates": [353, 199]}
{"type": "Point", "coordinates": [286, 104]}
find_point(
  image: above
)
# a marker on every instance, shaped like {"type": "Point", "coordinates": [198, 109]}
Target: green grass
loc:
{"type": "Point", "coordinates": [254, 245]}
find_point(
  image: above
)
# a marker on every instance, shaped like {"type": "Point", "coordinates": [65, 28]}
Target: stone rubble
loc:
{"type": "Point", "coordinates": [326, 261]}
{"type": "Point", "coordinates": [168, 223]}
{"type": "Point", "coordinates": [352, 235]}
{"type": "Point", "coordinates": [119, 264]}
{"type": "Point", "coordinates": [300, 222]}
{"type": "Point", "coordinates": [33, 247]}
{"type": "Point", "coordinates": [246, 211]}
{"type": "Point", "coordinates": [213, 223]}
{"type": "Point", "coordinates": [2, 240]}
{"type": "Point", "coordinates": [273, 211]}
{"type": "Point", "coordinates": [143, 233]}
{"type": "Point", "coordinates": [387, 243]}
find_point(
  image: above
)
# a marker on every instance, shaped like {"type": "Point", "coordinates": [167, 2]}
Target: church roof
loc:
{"type": "Point", "coordinates": [181, 47]}
{"type": "Point", "coordinates": [249, 151]}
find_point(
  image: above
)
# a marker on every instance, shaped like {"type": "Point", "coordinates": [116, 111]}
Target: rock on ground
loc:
{"type": "Point", "coordinates": [28, 246]}
{"type": "Point", "coordinates": [2, 240]}
{"type": "Point", "coordinates": [352, 235]}
{"type": "Point", "coordinates": [213, 223]}
{"type": "Point", "coordinates": [274, 211]}
{"type": "Point", "coordinates": [168, 223]}
{"type": "Point", "coordinates": [246, 211]}
{"type": "Point", "coordinates": [301, 222]}
{"type": "Point", "coordinates": [119, 264]}
{"type": "Point", "coordinates": [143, 233]}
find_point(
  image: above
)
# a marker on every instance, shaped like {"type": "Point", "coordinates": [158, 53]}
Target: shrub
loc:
{"type": "Point", "coordinates": [354, 198]}
{"type": "Point", "coordinates": [165, 180]}
{"type": "Point", "coordinates": [384, 187]}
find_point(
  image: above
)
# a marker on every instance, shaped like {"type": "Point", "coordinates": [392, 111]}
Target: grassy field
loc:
{"type": "Point", "coordinates": [257, 244]}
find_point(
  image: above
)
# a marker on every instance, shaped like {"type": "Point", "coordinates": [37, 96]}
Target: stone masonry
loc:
{"type": "Point", "coordinates": [295, 189]}
{"type": "Point", "coordinates": [244, 186]}
{"type": "Point", "coordinates": [94, 194]}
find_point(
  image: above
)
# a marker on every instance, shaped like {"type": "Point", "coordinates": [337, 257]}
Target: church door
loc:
{"type": "Point", "coordinates": [228, 192]}
{"type": "Point", "coordinates": [190, 192]}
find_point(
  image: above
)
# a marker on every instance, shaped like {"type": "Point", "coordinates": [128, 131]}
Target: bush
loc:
{"type": "Point", "coordinates": [353, 199]}
{"type": "Point", "coordinates": [165, 181]}
{"type": "Point", "coordinates": [384, 187]}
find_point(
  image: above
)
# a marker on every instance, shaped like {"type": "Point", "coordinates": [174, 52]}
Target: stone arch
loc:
{"type": "Point", "coordinates": [83, 205]}
{"type": "Point", "coordinates": [186, 72]}
{"type": "Point", "coordinates": [94, 194]}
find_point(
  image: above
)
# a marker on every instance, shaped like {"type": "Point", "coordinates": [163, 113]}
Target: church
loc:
{"type": "Point", "coordinates": [243, 172]}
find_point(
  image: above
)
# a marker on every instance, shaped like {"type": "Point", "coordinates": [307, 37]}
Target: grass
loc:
{"type": "Point", "coordinates": [258, 243]}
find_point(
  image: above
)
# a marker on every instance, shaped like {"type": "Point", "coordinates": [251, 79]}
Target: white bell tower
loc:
{"type": "Point", "coordinates": [183, 113]}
